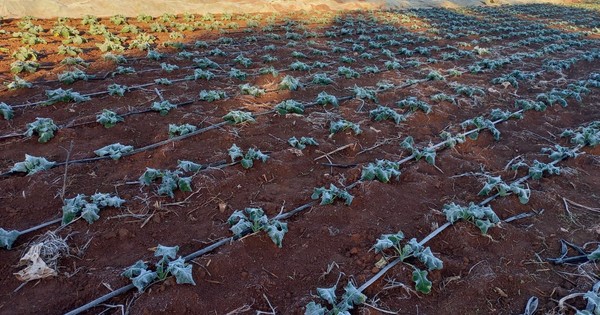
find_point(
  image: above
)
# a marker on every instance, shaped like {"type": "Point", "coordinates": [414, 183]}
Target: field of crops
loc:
{"type": "Point", "coordinates": [425, 161]}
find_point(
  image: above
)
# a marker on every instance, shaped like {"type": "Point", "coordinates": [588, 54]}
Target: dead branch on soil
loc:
{"type": "Point", "coordinates": [335, 151]}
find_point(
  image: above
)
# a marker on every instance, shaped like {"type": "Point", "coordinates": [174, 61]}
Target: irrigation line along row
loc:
{"type": "Point", "coordinates": [281, 216]}
{"type": "Point", "coordinates": [448, 224]}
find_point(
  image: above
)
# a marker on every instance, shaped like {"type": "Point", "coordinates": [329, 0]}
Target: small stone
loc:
{"type": "Point", "coordinates": [374, 270]}
{"type": "Point", "coordinates": [354, 251]}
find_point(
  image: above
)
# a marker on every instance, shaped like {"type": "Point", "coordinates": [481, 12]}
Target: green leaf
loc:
{"type": "Point", "coordinates": [238, 117]}
{"type": "Point", "coordinates": [289, 106]}
{"type": "Point", "coordinates": [235, 152]}
{"type": "Point", "coordinates": [422, 284]}
{"type": "Point", "coordinates": [135, 269]}
{"type": "Point", "coordinates": [106, 200]}
{"type": "Point", "coordinates": [185, 183]}
{"type": "Point", "coordinates": [150, 175]}
{"type": "Point", "coordinates": [72, 208]}
{"type": "Point", "coordinates": [353, 296]}
{"type": "Point", "coordinates": [108, 118]}
{"type": "Point", "coordinates": [7, 238]}
{"type": "Point", "coordinates": [166, 251]}
{"type": "Point", "coordinates": [44, 127]}
{"type": "Point", "coordinates": [6, 111]}
{"type": "Point", "coordinates": [386, 241]}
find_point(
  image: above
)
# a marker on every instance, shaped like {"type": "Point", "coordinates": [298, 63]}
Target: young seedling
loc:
{"type": "Point", "coordinates": [351, 297]}
{"type": "Point", "coordinates": [163, 107]}
{"type": "Point", "coordinates": [588, 135]}
{"type": "Point", "coordinates": [322, 79]}
{"type": "Point", "coordinates": [443, 97]}
{"type": "Point", "coordinates": [180, 130]}
{"type": "Point", "coordinates": [483, 217]}
{"type": "Point", "coordinates": [6, 111]}
{"type": "Point", "coordinates": [364, 93]}
{"type": "Point", "coordinates": [427, 153]}
{"type": "Point", "coordinates": [27, 66]}
{"type": "Point", "coordinates": [69, 77]}
{"type": "Point", "coordinates": [481, 123]}
{"type": "Point", "coordinates": [289, 106]}
{"type": "Point", "coordinates": [328, 196]}
{"type": "Point", "coordinates": [414, 104]}
{"type": "Point", "coordinates": [503, 189]}
{"type": "Point", "coordinates": [347, 73]}
{"type": "Point", "coordinates": [302, 143]}
{"type": "Point", "coordinates": [170, 181]}
{"type": "Point", "coordinates": [238, 74]}
{"type": "Point", "coordinates": [256, 220]}
{"type": "Point", "coordinates": [200, 74]}
{"type": "Point", "coordinates": [141, 276]}
{"type": "Point", "coordinates": [382, 170]}
{"type": "Point", "coordinates": [382, 113]}
{"type": "Point", "coordinates": [117, 89]}
{"type": "Point", "coordinates": [115, 150]}
{"type": "Point", "coordinates": [248, 89]}
{"type": "Point", "coordinates": [79, 206]}
{"type": "Point", "coordinates": [60, 95]}
{"type": "Point", "coordinates": [108, 118]}
{"type": "Point", "coordinates": [289, 83]}
{"type": "Point", "coordinates": [212, 95]}
{"type": "Point", "coordinates": [43, 127]}
{"type": "Point", "coordinates": [247, 160]}
{"type": "Point", "coordinates": [411, 249]}
{"type": "Point", "coordinates": [18, 83]}
{"type": "Point", "coordinates": [32, 165]}
{"type": "Point", "coordinates": [343, 125]}
{"type": "Point", "coordinates": [235, 117]}
{"type": "Point", "coordinates": [324, 98]}
{"type": "Point", "coordinates": [559, 152]}
{"type": "Point", "coordinates": [537, 170]}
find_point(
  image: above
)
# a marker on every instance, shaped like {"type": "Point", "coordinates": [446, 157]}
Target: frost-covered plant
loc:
{"type": "Point", "coordinates": [289, 106]}
{"type": "Point", "coordinates": [163, 107]}
{"type": "Point", "coordinates": [537, 170]}
{"type": "Point", "coordinates": [255, 220]}
{"type": "Point", "coordinates": [180, 130]}
{"type": "Point", "coordinates": [168, 67]}
{"type": "Point", "coordinates": [141, 276]}
{"type": "Point", "coordinates": [483, 217]}
{"type": "Point", "coordinates": [18, 83]}
{"type": "Point", "coordinates": [108, 118]}
{"type": "Point", "coordinates": [248, 89]}
{"type": "Point", "coordinates": [299, 66]}
{"type": "Point", "coordinates": [411, 249]}
{"type": "Point", "coordinates": [343, 125]}
{"type": "Point", "coordinates": [163, 81]}
{"type": "Point", "coordinates": [328, 196]}
{"type": "Point", "coordinates": [382, 170]}
{"type": "Point", "coordinates": [481, 123]}
{"type": "Point", "coordinates": [117, 89]}
{"type": "Point", "coordinates": [586, 135]}
{"type": "Point", "coordinates": [322, 78]}
{"type": "Point", "coordinates": [443, 97]}
{"type": "Point", "coordinates": [382, 113]}
{"type": "Point", "coordinates": [246, 62]}
{"type": "Point", "coordinates": [427, 153]}
{"type": "Point", "coordinates": [123, 70]}
{"type": "Point", "coordinates": [32, 165]}
{"type": "Point", "coordinates": [200, 74]}
{"type": "Point", "coordinates": [559, 152]}
{"type": "Point", "coordinates": [154, 55]}
{"type": "Point", "coordinates": [79, 206]}
{"type": "Point", "coordinates": [212, 95]}
{"type": "Point", "coordinates": [60, 95]}
{"type": "Point", "coordinates": [434, 76]}
{"type": "Point", "coordinates": [362, 93]}
{"type": "Point", "coordinates": [115, 150]}
{"type": "Point", "coordinates": [469, 91]}
{"type": "Point", "coordinates": [6, 111]}
{"type": "Point", "coordinates": [351, 297]}
{"type": "Point", "coordinates": [289, 83]}
{"type": "Point", "coordinates": [43, 127]}
{"type": "Point", "coordinates": [498, 114]}
{"type": "Point", "coordinates": [348, 73]}
{"type": "Point", "coordinates": [70, 50]}
{"type": "Point", "coordinates": [324, 98]}
{"type": "Point", "coordinates": [503, 189]}
{"type": "Point", "coordinates": [302, 143]}
{"type": "Point", "coordinates": [27, 66]}
{"type": "Point", "coordinates": [238, 117]}
{"type": "Point", "coordinates": [170, 181]}
{"type": "Point", "coordinates": [238, 74]}
{"type": "Point", "coordinates": [247, 160]}
{"type": "Point", "coordinates": [74, 61]}
{"type": "Point", "coordinates": [414, 104]}
{"type": "Point", "coordinates": [530, 105]}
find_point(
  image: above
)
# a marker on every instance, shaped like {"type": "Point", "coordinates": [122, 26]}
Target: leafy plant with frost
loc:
{"type": "Point", "coordinates": [43, 127]}
{"type": "Point", "coordinates": [115, 150]}
{"type": "Point", "coordinates": [302, 143]}
{"type": "Point", "coordinates": [255, 220]}
{"type": "Point", "coordinates": [79, 206]}
{"type": "Point", "coordinates": [247, 159]}
{"type": "Point", "coordinates": [483, 217]}
{"type": "Point", "coordinates": [32, 165]}
{"type": "Point", "coordinates": [328, 196]}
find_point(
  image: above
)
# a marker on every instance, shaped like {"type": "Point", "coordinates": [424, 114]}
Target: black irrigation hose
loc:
{"type": "Point", "coordinates": [281, 216]}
